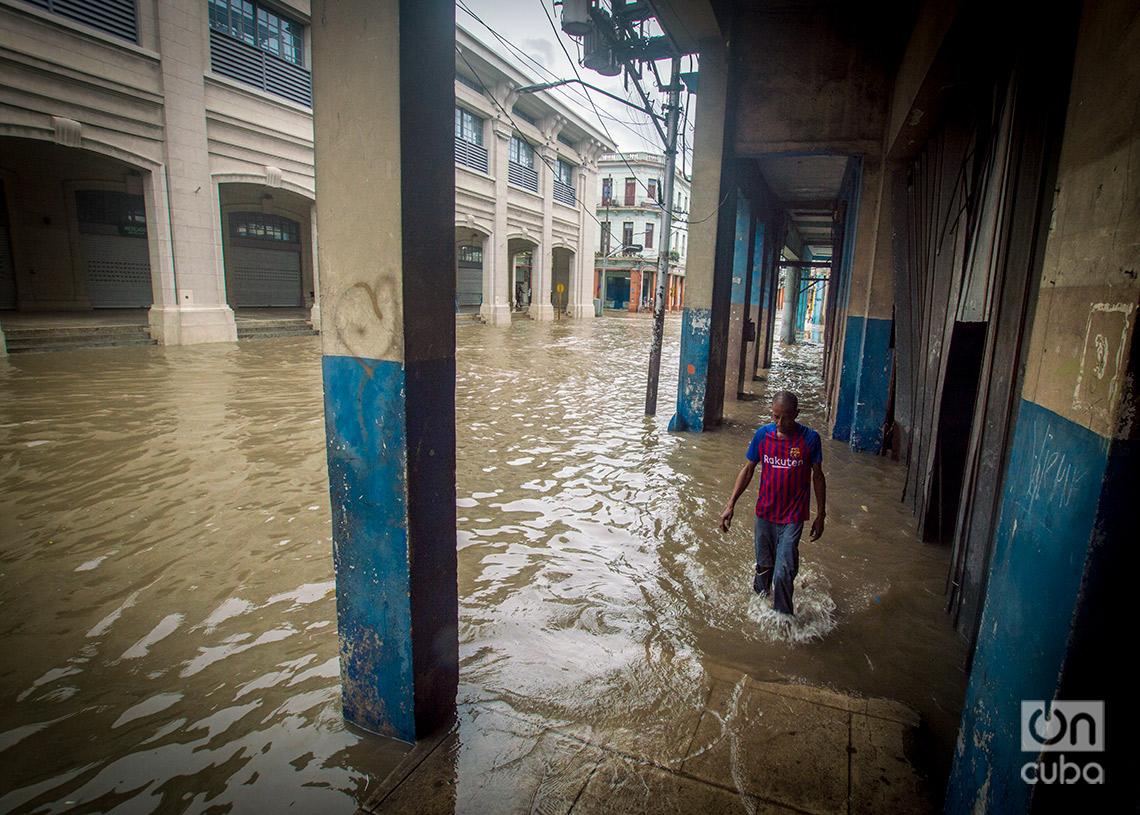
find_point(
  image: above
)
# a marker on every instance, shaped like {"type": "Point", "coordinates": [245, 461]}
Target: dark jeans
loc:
{"type": "Point", "coordinates": [778, 560]}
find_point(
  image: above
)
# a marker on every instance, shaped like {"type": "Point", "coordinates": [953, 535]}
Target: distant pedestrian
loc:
{"type": "Point", "coordinates": [791, 459]}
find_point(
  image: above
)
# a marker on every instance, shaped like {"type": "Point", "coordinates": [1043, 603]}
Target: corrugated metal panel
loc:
{"type": "Point", "coordinates": [976, 200]}
{"type": "Point", "coordinates": [118, 18]}
{"type": "Point", "coordinates": [564, 193]}
{"type": "Point", "coordinates": [522, 176]}
{"type": "Point", "coordinates": [471, 155]}
{"type": "Point", "coordinates": [469, 286]}
{"type": "Point", "coordinates": [264, 277]}
{"type": "Point", "coordinates": [256, 67]}
{"type": "Point", "coordinates": [117, 270]}
{"type": "Point", "coordinates": [7, 269]}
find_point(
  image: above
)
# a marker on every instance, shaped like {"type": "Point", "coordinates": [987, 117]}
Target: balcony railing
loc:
{"type": "Point", "coordinates": [564, 193]}
{"type": "Point", "coordinates": [257, 67]}
{"type": "Point", "coordinates": [522, 176]}
{"type": "Point", "coordinates": [471, 155]}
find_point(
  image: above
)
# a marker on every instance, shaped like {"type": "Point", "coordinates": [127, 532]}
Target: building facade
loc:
{"type": "Point", "coordinates": [629, 211]}
{"type": "Point", "coordinates": [525, 181]}
{"type": "Point", "coordinates": [158, 155]}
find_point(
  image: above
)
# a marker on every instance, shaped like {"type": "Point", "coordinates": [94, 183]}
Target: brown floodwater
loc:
{"type": "Point", "coordinates": [167, 611]}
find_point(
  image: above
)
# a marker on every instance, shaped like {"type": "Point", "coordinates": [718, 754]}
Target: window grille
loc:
{"type": "Point", "coordinates": [469, 150]}
{"type": "Point", "coordinates": [264, 227]}
{"type": "Point", "coordinates": [115, 17]}
{"type": "Point", "coordinates": [520, 168]}
{"type": "Point", "coordinates": [253, 66]}
{"type": "Point", "coordinates": [257, 26]}
{"type": "Point", "coordinates": [564, 183]}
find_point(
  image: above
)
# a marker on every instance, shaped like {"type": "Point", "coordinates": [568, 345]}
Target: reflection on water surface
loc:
{"type": "Point", "coordinates": [167, 590]}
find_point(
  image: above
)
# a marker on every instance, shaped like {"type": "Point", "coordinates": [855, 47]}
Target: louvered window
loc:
{"type": "Point", "coordinates": [520, 168]}
{"type": "Point", "coordinates": [260, 48]}
{"type": "Point", "coordinates": [564, 183]}
{"type": "Point", "coordinates": [469, 149]}
{"type": "Point", "coordinates": [119, 18]}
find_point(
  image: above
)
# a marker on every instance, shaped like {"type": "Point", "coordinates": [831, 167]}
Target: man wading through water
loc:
{"type": "Point", "coordinates": [786, 451]}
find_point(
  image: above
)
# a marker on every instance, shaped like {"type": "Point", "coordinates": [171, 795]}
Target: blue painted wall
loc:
{"type": "Point", "coordinates": [693, 378]}
{"type": "Point", "coordinates": [1053, 487]}
{"type": "Point", "coordinates": [366, 442]}
{"type": "Point", "coordinates": [874, 384]}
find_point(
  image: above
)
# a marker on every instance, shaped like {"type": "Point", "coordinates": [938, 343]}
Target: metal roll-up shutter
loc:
{"type": "Point", "coordinates": [7, 268]}
{"type": "Point", "coordinates": [469, 286]}
{"type": "Point", "coordinates": [265, 277]}
{"type": "Point", "coordinates": [117, 269]}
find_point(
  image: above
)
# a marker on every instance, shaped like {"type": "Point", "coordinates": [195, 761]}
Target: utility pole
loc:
{"type": "Point", "coordinates": [672, 115]}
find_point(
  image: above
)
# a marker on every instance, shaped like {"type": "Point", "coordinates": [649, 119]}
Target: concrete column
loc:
{"type": "Point", "coordinates": [315, 313]}
{"type": "Point", "coordinates": [759, 294]}
{"type": "Point", "coordinates": [738, 309]}
{"type": "Point", "coordinates": [790, 318]}
{"type": "Point", "coordinates": [865, 376]}
{"type": "Point", "coordinates": [199, 312]}
{"type": "Point", "coordinates": [498, 294]}
{"type": "Point", "coordinates": [852, 275]}
{"type": "Point", "coordinates": [582, 283]}
{"type": "Point", "coordinates": [385, 181]}
{"type": "Point", "coordinates": [708, 189]}
{"type": "Point", "coordinates": [540, 307]}
{"type": "Point", "coordinates": [876, 357]}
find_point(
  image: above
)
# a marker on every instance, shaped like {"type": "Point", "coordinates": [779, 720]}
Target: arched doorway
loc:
{"type": "Point", "coordinates": [74, 230]}
{"type": "Point", "coordinates": [265, 240]}
{"type": "Point", "coordinates": [562, 261]}
{"type": "Point", "coordinates": [469, 258]}
{"type": "Point", "coordinates": [521, 254]}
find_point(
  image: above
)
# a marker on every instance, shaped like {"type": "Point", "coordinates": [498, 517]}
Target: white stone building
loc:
{"type": "Point", "coordinates": [525, 185]}
{"type": "Point", "coordinates": [630, 186]}
{"type": "Point", "coordinates": [158, 155]}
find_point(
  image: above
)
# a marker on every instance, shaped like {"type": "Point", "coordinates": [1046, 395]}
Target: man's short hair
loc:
{"type": "Point", "coordinates": [787, 398]}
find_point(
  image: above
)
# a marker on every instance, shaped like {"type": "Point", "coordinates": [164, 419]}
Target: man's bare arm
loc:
{"type": "Point", "coordinates": [819, 484]}
{"type": "Point", "coordinates": [743, 479]}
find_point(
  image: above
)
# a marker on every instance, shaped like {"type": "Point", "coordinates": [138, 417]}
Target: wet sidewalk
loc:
{"type": "Point", "coordinates": [755, 747]}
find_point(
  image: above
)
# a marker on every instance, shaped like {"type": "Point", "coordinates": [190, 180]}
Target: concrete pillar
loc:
{"type": "Point", "coordinates": [852, 276]}
{"type": "Point", "coordinates": [743, 236]}
{"type": "Point", "coordinates": [315, 312]}
{"type": "Point", "coordinates": [876, 356]}
{"type": "Point", "coordinates": [540, 307]}
{"type": "Point", "coordinates": [789, 320]}
{"type": "Point", "coordinates": [497, 291]}
{"type": "Point", "coordinates": [584, 282]}
{"type": "Point", "coordinates": [385, 182]}
{"type": "Point", "coordinates": [193, 306]}
{"type": "Point", "coordinates": [759, 294]}
{"type": "Point", "coordinates": [695, 381]}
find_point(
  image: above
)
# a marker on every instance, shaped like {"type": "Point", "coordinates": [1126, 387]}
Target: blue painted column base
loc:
{"type": "Point", "coordinates": [692, 383]}
{"type": "Point", "coordinates": [367, 455]}
{"type": "Point", "coordinates": [874, 386]}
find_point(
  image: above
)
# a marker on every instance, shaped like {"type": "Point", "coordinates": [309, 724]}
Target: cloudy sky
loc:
{"type": "Point", "coordinates": [538, 52]}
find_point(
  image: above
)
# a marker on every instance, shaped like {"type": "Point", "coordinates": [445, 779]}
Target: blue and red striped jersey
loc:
{"type": "Point", "coordinates": [785, 472]}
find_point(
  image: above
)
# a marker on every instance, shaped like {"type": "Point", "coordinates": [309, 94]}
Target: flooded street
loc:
{"type": "Point", "coordinates": [166, 586]}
